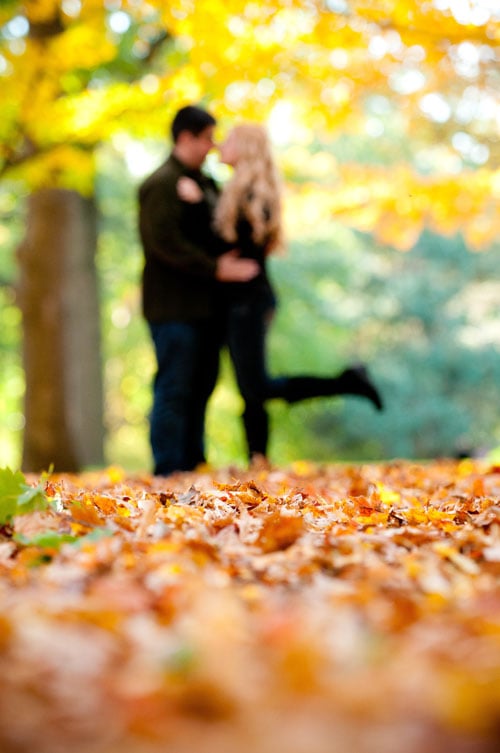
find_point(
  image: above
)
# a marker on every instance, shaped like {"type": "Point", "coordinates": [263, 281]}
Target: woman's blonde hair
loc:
{"type": "Point", "coordinates": [254, 190]}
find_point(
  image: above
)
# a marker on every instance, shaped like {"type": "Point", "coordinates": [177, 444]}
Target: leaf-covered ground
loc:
{"type": "Point", "coordinates": [336, 609]}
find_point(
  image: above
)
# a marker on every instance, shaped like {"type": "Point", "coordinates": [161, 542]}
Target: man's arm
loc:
{"type": "Point", "coordinates": [232, 268]}
{"type": "Point", "coordinates": [161, 213]}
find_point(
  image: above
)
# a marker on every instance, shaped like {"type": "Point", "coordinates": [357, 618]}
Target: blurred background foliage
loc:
{"type": "Point", "coordinates": [385, 118]}
{"type": "Point", "coordinates": [426, 321]}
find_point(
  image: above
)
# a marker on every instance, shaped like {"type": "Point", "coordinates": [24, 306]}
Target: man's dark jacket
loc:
{"type": "Point", "coordinates": [179, 246]}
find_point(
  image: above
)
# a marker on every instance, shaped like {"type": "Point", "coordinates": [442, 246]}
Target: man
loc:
{"type": "Point", "coordinates": [179, 293]}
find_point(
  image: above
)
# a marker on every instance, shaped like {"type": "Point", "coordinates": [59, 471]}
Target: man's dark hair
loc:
{"type": "Point", "coordinates": [193, 119]}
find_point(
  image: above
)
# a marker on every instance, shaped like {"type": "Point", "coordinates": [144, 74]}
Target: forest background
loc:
{"type": "Point", "coordinates": [385, 119]}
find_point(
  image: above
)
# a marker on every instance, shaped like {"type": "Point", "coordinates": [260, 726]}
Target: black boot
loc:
{"type": "Point", "coordinates": [352, 381]}
{"type": "Point", "coordinates": [355, 381]}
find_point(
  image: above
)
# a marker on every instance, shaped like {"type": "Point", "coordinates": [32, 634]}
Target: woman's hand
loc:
{"type": "Point", "coordinates": [188, 190]}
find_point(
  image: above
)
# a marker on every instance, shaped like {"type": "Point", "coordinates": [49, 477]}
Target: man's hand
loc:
{"type": "Point", "coordinates": [232, 268]}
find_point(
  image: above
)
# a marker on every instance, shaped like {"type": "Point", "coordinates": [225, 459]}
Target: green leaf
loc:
{"type": "Point", "coordinates": [46, 539]}
{"type": "Point", "coordinates": [100, 532]}
{"type": "Point", "coordinates": [33, 498]}
{"type": "Point", "coordinates": [54, 540]}
{"type": "Point", "coordinates": [11, 488]}
{"type": "Point", "coordinates": [182, 661]}
{"type": "Point", "coordinates": [17, 497]}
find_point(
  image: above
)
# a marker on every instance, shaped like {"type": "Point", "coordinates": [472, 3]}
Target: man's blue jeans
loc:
{"type": "Point", "coordinates": [187, 356]}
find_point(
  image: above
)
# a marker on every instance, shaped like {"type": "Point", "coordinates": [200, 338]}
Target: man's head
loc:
{"type": "Point", "coordinates": [192, 133]}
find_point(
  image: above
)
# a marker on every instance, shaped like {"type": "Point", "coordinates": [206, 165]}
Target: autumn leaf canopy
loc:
{"type": "Point", "coordinates": [418, 81]}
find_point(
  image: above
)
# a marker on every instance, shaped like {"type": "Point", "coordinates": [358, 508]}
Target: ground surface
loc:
{"type": "Point", "coordinates": [337, 609]}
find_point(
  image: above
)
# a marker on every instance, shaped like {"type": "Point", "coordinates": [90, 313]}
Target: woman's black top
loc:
{"type": "Point", "coordinates": [259, 286]}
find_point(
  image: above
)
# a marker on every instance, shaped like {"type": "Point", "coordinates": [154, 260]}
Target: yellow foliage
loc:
{"type": "Point", "coordinates": [64, 166]}
{"type": "Point", "coordinates": [41, 11]}
{"type": "Point", "coordinates": [80, 47]}
{"type": "Point", "coordinates": [366, 198]}
{"type": "Point", "coordinates": [246, 59]}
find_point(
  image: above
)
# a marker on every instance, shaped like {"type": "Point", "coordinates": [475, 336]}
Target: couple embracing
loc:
{"type": "Point", "coordinates": [205, 285]}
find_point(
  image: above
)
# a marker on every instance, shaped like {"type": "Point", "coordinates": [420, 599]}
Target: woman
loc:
{"type": "Point", "coordinates": [248, 216]}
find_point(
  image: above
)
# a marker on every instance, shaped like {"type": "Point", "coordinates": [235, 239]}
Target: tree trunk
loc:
{"type": "Point", "coordinates": [59, 301]}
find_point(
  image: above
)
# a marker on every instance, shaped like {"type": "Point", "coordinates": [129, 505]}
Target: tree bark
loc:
{"type": "Point", "coordinates": [58, 297]}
